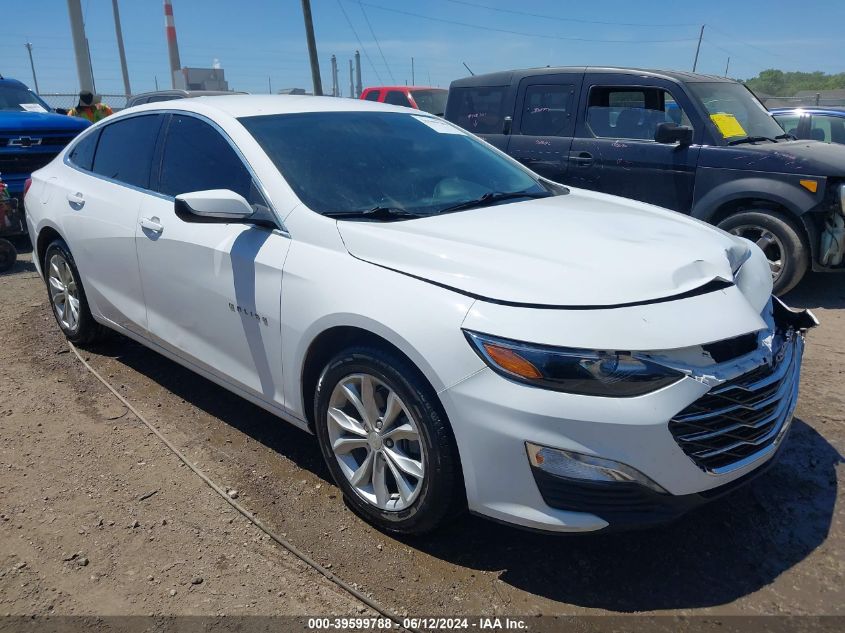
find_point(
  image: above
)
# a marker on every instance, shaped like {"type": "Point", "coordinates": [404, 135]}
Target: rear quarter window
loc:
{"type": "Point", "coordinates": [82, 154]}
{"type": "Point", "coordinates": [481, 110]}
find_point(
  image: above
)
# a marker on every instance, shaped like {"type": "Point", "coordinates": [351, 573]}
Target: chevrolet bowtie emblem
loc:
{"type": "Point", "coordinates": [25, 141]}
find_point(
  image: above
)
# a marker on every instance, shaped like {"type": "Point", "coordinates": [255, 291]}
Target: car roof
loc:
{"type": "Point", "coordinates": [505, 78]}
{"type": "Point", "coordinates": [401, 88]}
{"type": "Point", "coordinates": [833, 110]}
{"type": "Point", "coordinates": [258, 105]}
{"type": "Point", "coordinates": [185, 93]}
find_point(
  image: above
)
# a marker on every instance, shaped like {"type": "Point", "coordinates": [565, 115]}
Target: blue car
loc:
{"type": "Point", "coordinates": [31, 133]}
{"type": "Point", "coordinates": [818, 124]}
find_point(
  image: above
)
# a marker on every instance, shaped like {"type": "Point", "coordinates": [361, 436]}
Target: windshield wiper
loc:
{"type": "Point", "coordinates": [788, 136]}
{"type": "Point", "coordinates": [376, 213]}
{"type": "Point", "coordinates": [751, 139]}
{"type": "Point", "coordinates": [492, 197]}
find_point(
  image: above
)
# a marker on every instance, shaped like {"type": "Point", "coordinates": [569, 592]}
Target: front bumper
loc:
{"type": "Point", "coordinates": [494, 418]}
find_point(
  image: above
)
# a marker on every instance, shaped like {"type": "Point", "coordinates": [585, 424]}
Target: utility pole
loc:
{"type": "Point", "coordinates": [155, 77]}
{"type": "Point", "coordinates": [312, 48]}
{"type": "Point", "coordinates": [698, 48]}
{"type": "Point", "coordinates": [119, 34]}
{"type": "Point", "coordinates": [80, 47]}
{"type": "Point", "coordinates": [32, 65]}
{"type": "Point", "coordinates": [358, 87]}
{"type": "Point", "coordinates": [269, 86]}
{"type": "Point", "coordinates": [413, 81]}
{"type": "Point", "coordinates": [351, 81]}
{"type": "Point", "coordinates": [335, 87]}
{"type": "Point", "coordinates": [728, 65]}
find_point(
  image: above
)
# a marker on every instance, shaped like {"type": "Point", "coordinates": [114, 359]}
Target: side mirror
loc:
{"type": "Point", "coordinates": [213, 206]}
{"type": "Point", "coordinates": [673, 133]}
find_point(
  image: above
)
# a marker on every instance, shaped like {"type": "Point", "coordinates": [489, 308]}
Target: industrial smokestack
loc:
{"type": "Point", "coordinates": [172, 46]}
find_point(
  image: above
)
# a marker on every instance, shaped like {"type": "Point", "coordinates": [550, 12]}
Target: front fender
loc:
{"type": "Point", "coordinates": [714, 188]}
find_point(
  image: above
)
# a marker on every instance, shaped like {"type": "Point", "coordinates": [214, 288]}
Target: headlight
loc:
{"type": "Point", "coordinates": [586, 372]}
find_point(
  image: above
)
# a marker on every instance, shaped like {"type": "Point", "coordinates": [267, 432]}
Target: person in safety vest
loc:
{"type": "Point", "coordinates": [90, 108]}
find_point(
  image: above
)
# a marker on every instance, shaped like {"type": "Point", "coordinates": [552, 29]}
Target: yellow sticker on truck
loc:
{"type": "Point", "coordinates": [728, 125]}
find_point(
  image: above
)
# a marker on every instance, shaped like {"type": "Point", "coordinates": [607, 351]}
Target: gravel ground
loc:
{"type": "Point", "coordinates": [75, 466]}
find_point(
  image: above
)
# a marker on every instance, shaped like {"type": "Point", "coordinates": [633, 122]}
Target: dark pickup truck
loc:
{"type": "Point", "coordinates": [697, 144]}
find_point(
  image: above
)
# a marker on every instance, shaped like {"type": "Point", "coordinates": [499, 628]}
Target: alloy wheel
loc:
{"type": "Point", "coordinates": [768, 242]}
{"type": "Point", "coordinates": [376, 442]}
{"type": "Point", "coordinates": [64, 292]}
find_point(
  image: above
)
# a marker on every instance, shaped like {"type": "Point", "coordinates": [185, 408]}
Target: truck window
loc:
{"type": "Point", "coordinates": [546, 110]}
{"type": "Point", "coordinates": [827, 128]}
{"type": "Point", "coordinates": [394, 97]}
{"type": "Point", "coordinates": [789, 123]}
{"type": "Point", "coordinates": [372, 95]}
{"type": "Point", "coordinates": [478, 109]}
{"type": "Point", "coordinates": [631, 113]}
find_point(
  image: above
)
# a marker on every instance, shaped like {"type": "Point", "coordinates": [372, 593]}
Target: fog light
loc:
{"type": "Point", "coordinates": [585, 467]}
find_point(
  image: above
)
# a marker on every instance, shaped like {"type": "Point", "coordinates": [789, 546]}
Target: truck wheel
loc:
{"type": "Point", "coordinates": [7, 255]}
{"type": "Point", "coordinates": [780, 238]}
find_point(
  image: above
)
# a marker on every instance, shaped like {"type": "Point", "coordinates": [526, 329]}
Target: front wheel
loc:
{"type": "Point", "coordinates": [780, 239]}
{"type": "Point", "coordinates": [386, 441]}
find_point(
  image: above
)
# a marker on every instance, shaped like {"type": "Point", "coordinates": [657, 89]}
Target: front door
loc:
{"type": "Point", "coordinates": [614, 150]}
{"type": "Point", "coordinates": [544, 123]}
{"type": "Point", "coordinates": [213, 291]}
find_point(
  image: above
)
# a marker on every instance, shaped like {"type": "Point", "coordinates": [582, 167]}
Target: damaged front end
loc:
{"type": "Point", "coordinates": [753, 389]}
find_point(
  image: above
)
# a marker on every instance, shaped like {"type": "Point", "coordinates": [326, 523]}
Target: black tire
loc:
{"type": "Point", "coordinates": [86, 330]}
{"type": "Point", "coordinates": [8, 255]}
{"type": "Point", "coordinates": [441, 495]}
{"type": "Point", "coordinates": [789, 238]}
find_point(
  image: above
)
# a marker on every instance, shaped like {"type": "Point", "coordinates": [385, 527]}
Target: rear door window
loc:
{"type": "Point", "coordinates": [546, 110]}
{"type": "Point", "coordinates": [126, 147]}
{"type": "Point", "coordinates": [82, 154]}
{"type": "Point", "coordinates": [479, 109]}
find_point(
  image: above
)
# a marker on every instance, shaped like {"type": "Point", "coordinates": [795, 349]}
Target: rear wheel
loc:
{"type": "Point", "coordinates": [780, 239]}
{"type": "Point", "coordinates": [386, 441]}
{"type": "Point", "coordinates": [67, 296]}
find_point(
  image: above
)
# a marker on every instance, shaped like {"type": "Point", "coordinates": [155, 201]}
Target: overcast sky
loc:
{"type": "Point", "coordinates": [257, 39]}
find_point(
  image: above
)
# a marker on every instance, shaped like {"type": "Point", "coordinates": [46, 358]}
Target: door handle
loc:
{"type": "Point", "coordinates": [76, 198]}
{"type": "Point", "coordinates": [582, 159]}
{"type": "Point", "coordinates": [152, 224]}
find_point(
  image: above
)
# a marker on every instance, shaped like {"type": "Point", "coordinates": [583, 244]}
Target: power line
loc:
{"type": "Point", "coordinates": [560, 19]}
{"type": "Point", "coordinates": [373, 33]}
{"type": "Point", "coordinates": [355, 33]}
{"type": "Point", "coordinates": [757, 48]}
{"type": "Point", "coordinates": [511, 32]}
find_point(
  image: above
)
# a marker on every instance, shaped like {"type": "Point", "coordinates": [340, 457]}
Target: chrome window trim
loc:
{"type": "Point", "coordinates": [261, 188]}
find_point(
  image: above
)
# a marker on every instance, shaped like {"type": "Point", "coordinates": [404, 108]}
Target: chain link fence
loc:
{"type": "Point", "coordinates": [802, 102]}
{"type": "Point", "coordinates": [68, 100]}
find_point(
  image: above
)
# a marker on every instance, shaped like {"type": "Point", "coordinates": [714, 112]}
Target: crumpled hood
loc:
{"type": "Point", "coordinates": [24, 122]}
{"type": "Point", "coordinates": [806, 158]}
{"type": "Point", "coordinates": [583, 249]}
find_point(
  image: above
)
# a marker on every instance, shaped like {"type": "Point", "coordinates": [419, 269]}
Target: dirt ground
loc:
{"type": "Point", "coordinates": [75, 466]}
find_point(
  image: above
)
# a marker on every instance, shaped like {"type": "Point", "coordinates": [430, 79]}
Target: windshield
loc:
{"type": "Point", "coordinates": [433, 101]}
{"type": "Point", "coordinates": [21, 98]}
{"type": "Point", "coordinates": [735, 111]}
{"type": "Point", "coordinates": [345, 162]}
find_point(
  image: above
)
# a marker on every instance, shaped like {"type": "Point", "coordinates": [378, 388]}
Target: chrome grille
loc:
{"type": "Point", "coordinates": [744, 419]}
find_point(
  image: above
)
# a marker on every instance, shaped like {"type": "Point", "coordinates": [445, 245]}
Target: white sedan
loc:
{"type": "Point", "coordinates": [455, 330]}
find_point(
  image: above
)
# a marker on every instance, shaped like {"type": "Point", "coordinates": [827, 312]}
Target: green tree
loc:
{"type": "Point", "coordinates": [786, 84]}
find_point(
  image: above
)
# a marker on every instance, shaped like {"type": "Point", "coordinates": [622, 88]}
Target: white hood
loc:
{"type": "Point", "coordinates": [580, 249]}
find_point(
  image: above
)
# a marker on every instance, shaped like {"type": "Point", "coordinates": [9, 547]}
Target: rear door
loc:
{"type": "Point", "coordinates": [614, 150]}
{"type": "Point", "coordinates": [483, 110]}
{"type": "Point", "coordinates": [101, 198]}
{"type": "Point", "coordinates": [212, 291]}
{"type": "Point", "coordinates": [544, 123]}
